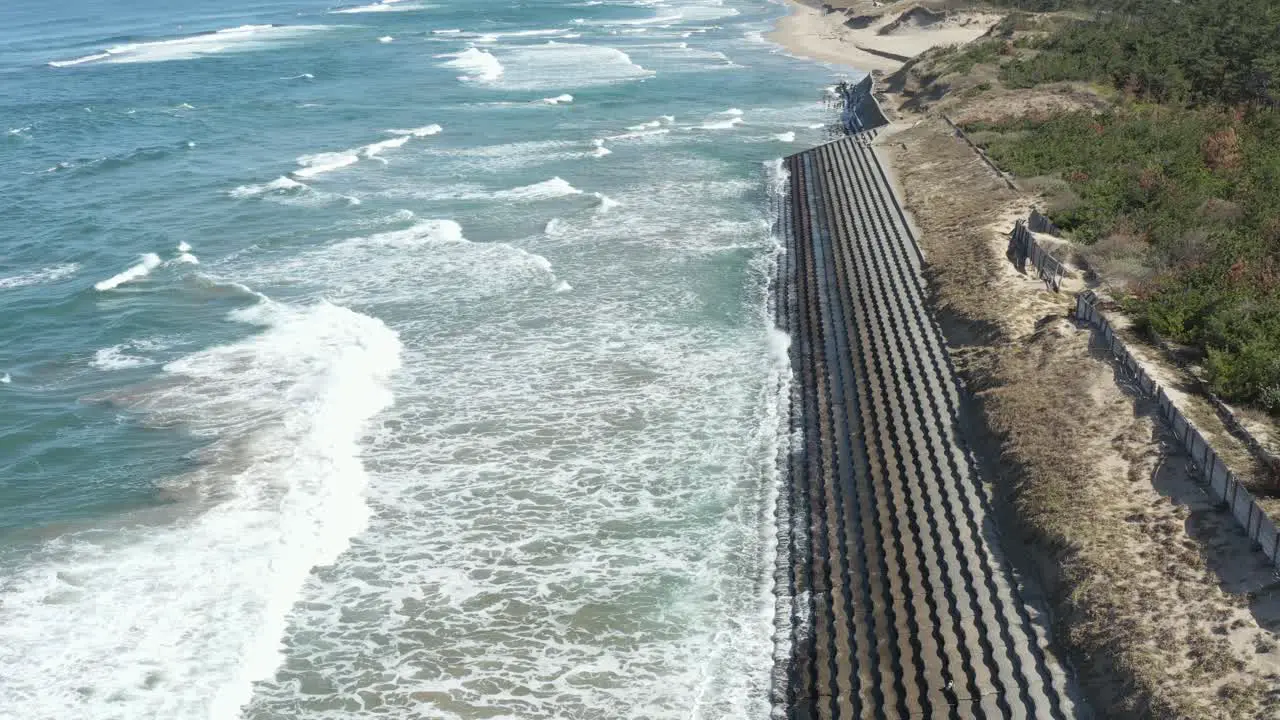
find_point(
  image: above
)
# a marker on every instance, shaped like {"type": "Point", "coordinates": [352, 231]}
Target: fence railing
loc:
{"type": "Point", "coordinates": [1221, 482]}
{"type": "Point", "coordinates": [1023, 247]}
{"type": "Point", "coordinates": [1040, 223]}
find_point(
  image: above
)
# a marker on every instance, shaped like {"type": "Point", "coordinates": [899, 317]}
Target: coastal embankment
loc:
{"type": "Point", "coordinates": [903, 602]}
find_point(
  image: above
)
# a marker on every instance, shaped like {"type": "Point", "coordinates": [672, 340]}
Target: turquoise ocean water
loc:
{"type": "Point", "coordinates": [404, 360]}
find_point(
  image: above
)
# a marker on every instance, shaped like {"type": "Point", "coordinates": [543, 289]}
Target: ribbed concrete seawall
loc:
{"type": "Point", "coordinates": [903, 605]}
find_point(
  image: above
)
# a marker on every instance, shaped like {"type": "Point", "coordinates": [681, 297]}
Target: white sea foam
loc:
{"type": "Point", "coordinates": [720, 124]}
{"type": "Point", "coordinates": [427, 260]}
{"type": "Point", "coordinates": [18, 130]}
{"type": "Point", "coordinates": [184, 246]}
{"type": "Point", "coordinates": [558, 100]}
{"type": "Point", "coordinates": [117, 357]}
{"type": "Point", "coordinates": [52, 273]}
{"type": "Point", "coordinates": [320, 163]}
{"type": "Point", "coordinates": [496, 36]}
{"type": "Point", "coordinates": [385, 39]}
{"type": "Point", "coordinates": [558, 65]}
{"type": "Point", "coordinates": [508, 156]}
{"type": "Point", "coordinates": [186, 258]}
{"type": "Point", "coordinates": [6, 379]}
{"type": "Point", "coordinates": [605, 203]}
{"type": "Point", "coordinates": [178, 620]}
{"type": "Point", "coordinates": [144, 266]}
{"type": "Point", "coordinates": [788, 136]}
{"type": "Point", "coordinates": [80, 60]}
{"type": "Point", "coordinates": [645, 125]}
{"type": "Point", "coordinates": [600, 150]}
{"type": "Point", "coordinates": [640, 134]}
{"type": "Point", "coordinates": [381, 7]}
{"type": "Point", "coordinates": [372, 150]}
{"type": "Point", "coordinates": [449, 31]}
{"type": "Point", "coordinates": [280, 184]}
{"type": "Point", "coordinates": [477, 65]}
{"type": "Point", "coordinates": [245, 38]}
{"type": "Point", "coordinates": [287, 191]}
{"type": "Point", "coordinates": [735, 112]}
{"type": "Point", "coordinates": [423, 131]}
{"type": "Point", "coordinates": [553, 188]}
{"type": "Point", "coordinates": [300, 76]}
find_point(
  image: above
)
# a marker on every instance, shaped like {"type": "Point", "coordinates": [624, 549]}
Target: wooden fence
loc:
{"type": "Point", "coordinates": [1023, 247]}
{"type": "Point", "coordinates": [1040, 223]}
{"type": "Point", "coordinates": [1221, 482]}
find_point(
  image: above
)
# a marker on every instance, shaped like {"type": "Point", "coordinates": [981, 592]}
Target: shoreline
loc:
{"type": "Point", "coordinates": [870, 38]}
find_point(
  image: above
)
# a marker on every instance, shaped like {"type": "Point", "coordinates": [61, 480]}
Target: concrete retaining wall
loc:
{"type": "Point", "coordinates": [1221, 482]}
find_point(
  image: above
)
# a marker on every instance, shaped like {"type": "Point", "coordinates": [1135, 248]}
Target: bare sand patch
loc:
{"type": "Point", "coordinates": [870, 37]}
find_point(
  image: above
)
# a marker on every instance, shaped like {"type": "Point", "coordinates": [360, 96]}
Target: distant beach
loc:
{"type": "Point", "coordinates": [874, 36]}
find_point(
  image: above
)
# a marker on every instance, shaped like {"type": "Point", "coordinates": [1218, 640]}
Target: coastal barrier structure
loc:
{"type": "Point", "coordinates": [1023, 247]}
{"type": "Point", "coordinates": [1213, 474]}
{"type": "Point", "coordinates": [860, 113]}
{"type": "Point", "coordinates": [902, 602]}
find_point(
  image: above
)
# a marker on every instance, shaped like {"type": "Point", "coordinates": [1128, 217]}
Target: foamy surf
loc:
{"type": "Point", "coordinates": [320, 163]}
{"type": "Point", "coordinates": [381, 7]}
{"type": "Point", "coordinates": [117, 357]}
{"type": "Point", "coordinates": [80, 60]}
{"type": "Point", "coordinates": [476, 65]}
{"type": "Point", "coordinates": [145, 265]}
{"type": "Point", "coordinates": [385, 39]}
{"type": "Point", "coordinates": [545, 190]}
{"type": "Point", "coordinates": [285, 190]}
{"type": "Point", "coordinates": [245, 38]}
{"type": "Point", "coordinates": [558, 100]}
{"type": "Point", "coordinates": [605, 203]}
{"type": "Point", "coordinates": [281, 184]}
{"type": "Point", "coordinates": [788, 136]}
{"type": "Point", "coordinates": [553, 65]}
{"type": "Point", "coordinates": [423, 131]}
{"type": "Point", "coordinates": [178, 620]}
{"type": "Point", "coordinates": [373, 150]}
{"type": "Point", "coordinates": [721, 124]}
{"type": "Point", "coordinates": [52, 273]}
{"type": "Point", "coordinates": [494, 37]}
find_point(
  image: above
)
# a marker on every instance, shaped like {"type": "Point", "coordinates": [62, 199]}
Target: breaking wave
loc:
{"type": "Point", "coordinates": [245, 38]}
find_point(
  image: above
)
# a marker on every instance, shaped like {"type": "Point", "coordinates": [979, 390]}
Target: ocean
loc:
{"type": "Point", "coordinates": [403, 360]}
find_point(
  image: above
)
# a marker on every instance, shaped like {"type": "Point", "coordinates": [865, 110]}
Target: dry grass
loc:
{"type": "Point", "coordinates": [1142, 616]}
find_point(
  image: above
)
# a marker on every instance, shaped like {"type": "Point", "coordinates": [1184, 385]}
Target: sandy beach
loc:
{"type": "Point", "coordinates": [875, 37]}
